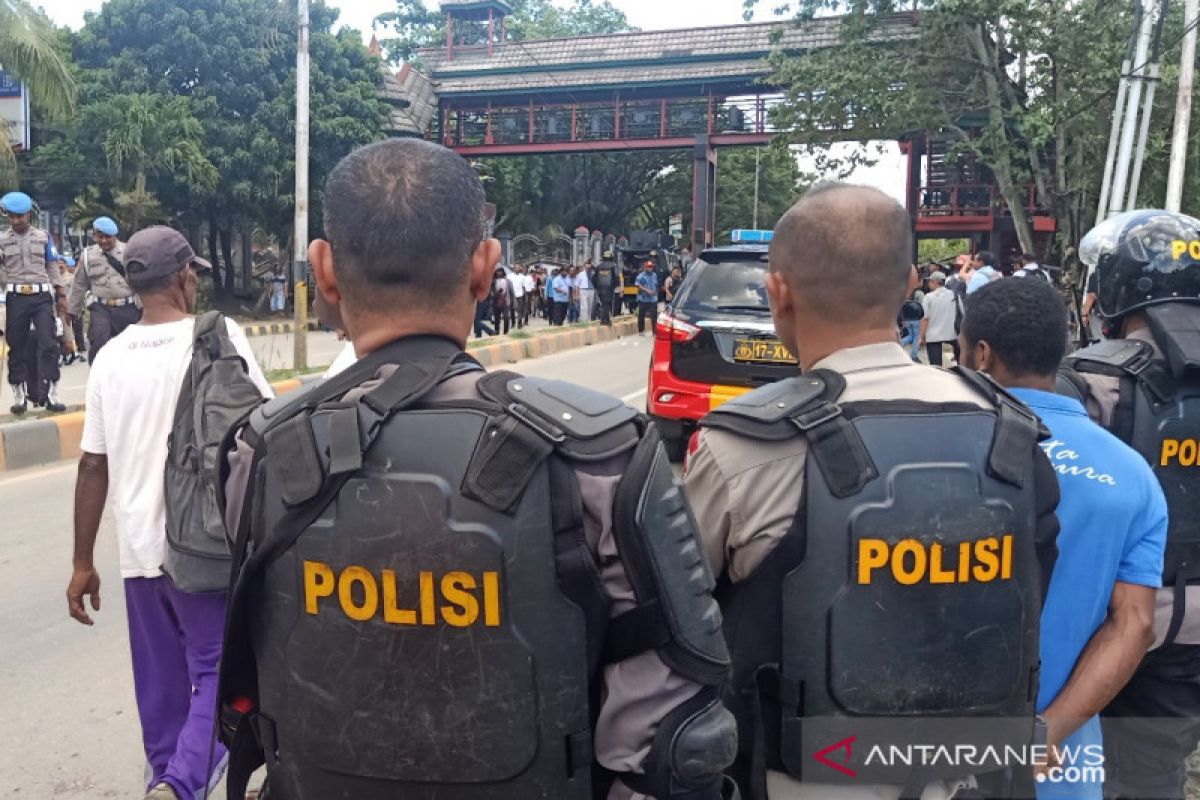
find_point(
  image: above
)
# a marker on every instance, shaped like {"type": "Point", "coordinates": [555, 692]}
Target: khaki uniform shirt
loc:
{"type": "Point", "coordinates": [94, 274]}
{"type": "Point", "coordinates": [23, 259]}
{"type": "Point", "coordinates": [1105, 392]}
{"type": "Point", "coordinates": [745, 494]}
{"type": "Point", "coordinates": [639, 691]}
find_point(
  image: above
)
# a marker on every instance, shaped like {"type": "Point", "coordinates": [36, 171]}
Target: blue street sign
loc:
{"type": "Point", "coordinates": [742, 236]}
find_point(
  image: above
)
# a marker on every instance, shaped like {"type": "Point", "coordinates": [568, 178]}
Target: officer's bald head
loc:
{"type": "Point", "coordinates": [846, 252]}
{"type": "Point", "coordinates": [403, 218]}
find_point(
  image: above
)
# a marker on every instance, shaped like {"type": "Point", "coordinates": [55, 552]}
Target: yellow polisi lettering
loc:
{"type": "Point", "coordinates": [911, 561]}
{"type": "Point", "coordinates": [466, 599]}
{"type": "Point", "coordinates": [1179, 247]}
{"type": "Point", "coordinates": [318, 583]}
{"type": "Point", "coordinates": [1179, 452]}
{"type": "Point", "coordinates": [346, 581]}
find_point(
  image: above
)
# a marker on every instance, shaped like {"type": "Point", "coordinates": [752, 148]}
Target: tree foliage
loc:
{"type": "Point", "coordinates": [1026, 86]}
{"type": "Point", "coordinates": [30, 50]}
{"type": "Point", "coordinates": [194, 103]}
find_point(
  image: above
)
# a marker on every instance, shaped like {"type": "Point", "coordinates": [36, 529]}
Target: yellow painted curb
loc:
{"type": "Point", "coordinates": [70, 434]}
{"type": "Point", "coordinates": [3, 466]}
{"type": "Point", "coordinates": [283, 387]}
{"type": "Point", "coordinates": [534, 347]}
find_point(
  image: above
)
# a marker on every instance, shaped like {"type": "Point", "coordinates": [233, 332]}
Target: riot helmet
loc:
{"type": "Point", "coordinates": [1143, 258]}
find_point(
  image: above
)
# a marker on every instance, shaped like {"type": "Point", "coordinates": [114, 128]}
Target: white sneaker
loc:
{"type": "Point", "coordinates": [20, 399]}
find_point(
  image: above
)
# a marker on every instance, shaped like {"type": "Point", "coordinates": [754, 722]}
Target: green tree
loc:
{"type": "Point", "coordinates": [1023, 85]}
{"type": "Point", "coordinates": [149, 133]}
{"type": "Point", "coordinates": [228, 67]}
{"type": "Point", "coordinates": [29, 50]}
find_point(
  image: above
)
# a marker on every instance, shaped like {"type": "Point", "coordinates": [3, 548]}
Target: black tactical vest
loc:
{"type": "Point", "coordinates": [901, 608]}
{"type": "Point", "coordinates": [606, 277]}
{"type": "Point", "coordinates": [1158, 414]}
{"type": "Point", "coordinates": [412, 618]}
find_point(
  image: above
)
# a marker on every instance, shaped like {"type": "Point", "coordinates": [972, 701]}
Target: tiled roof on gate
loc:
{"type": "Point", "coordinates": [655, 47]}
{"type": "Point", "coordinates": [414, 104]}
{"type": "Point", "coordinates": [744, 71]}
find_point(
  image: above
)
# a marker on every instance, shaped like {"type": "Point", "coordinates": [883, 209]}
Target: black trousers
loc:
{"type": "Point", "coordinates": [1153, 725]}
{"type": "Point", "coordinates": [107, 322]}
{"type": "Point", "coordinates": [604, 304]}
{"type": "Point", "coordinates": [501, 316]}
{"type": "Point", "coordinates": [648, 310]}
{"type": "Point", "coordinates": [32, 354]}
{"type": "Point", "coordinates": [934, 349]}
{"type": "Point", "coordinates": [558, 312]}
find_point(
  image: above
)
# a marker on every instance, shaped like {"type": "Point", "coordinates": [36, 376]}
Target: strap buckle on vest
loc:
{"type": "Point", "coordinates": [822, 413]}
{"type": "Point", "coordinates": [539, 426]}
{"type": "Point", "coordinates": [1139, 362]}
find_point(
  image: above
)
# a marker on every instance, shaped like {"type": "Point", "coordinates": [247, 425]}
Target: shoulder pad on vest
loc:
{"type": "Point", "coordinates": [1129, 355]}
{"type": "Point", "coordinates": [578, 412]}
{"type": "Point", "coordinates": [273, 412]}
{"type": "Point", "coordinates": [780, 410]}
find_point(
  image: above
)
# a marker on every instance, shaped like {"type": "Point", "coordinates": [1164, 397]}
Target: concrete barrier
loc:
{"type": "Point", "coordinates": [34, 442]}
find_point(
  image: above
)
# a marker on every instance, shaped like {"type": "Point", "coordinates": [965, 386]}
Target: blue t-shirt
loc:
{"type": "Point", "coordinates": [1113, 527]}
{"type": "Point", "coordinates": [560, 289]}
{"type": "Point", "coordinates": [647, 283]}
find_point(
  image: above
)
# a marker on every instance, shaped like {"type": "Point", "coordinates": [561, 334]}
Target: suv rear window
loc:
{"type": "Point", "coordinates": [725, 286]}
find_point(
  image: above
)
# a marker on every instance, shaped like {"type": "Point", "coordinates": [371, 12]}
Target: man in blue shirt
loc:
{"type": "Point", "coordinates": [647, 297]}
{"type": "Point", "coordinates": [1098, 614]}
{"type": "Point", "coordinates": [560, 295]}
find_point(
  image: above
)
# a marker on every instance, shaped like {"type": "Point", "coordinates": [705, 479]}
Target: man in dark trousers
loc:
{"type": "Point", "coordinates": [100, 286]}
{"type": "Point", "coordinates": [34, 289]}
{"type": "Point", "coordinates": [647, 297]}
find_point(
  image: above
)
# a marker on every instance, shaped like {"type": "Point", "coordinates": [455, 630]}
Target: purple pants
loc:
{"type": "Point", "coordinates": [176, 642]}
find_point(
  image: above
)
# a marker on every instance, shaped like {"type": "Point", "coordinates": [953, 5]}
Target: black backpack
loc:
{"type": "Point", "coordinates": [216, 393]}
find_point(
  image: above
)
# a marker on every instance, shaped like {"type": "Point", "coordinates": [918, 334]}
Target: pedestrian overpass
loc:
{"type": "Point", "coordinates": [699, 89]}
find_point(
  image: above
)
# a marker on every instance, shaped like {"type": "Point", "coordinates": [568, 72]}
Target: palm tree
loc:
{"type": "Point", "coordinates": [28, 51]}
{"type": "Point", "coordinates": [152, 134]}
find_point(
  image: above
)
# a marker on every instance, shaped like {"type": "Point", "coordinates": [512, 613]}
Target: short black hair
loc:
{"type": "Point", "coordinates": [1025, 322]}
{"type": "Point", "coordinates": [848, 249]}
{"type": "Point", "coordinates": [987, 257]}
{"type": "Point", "coordinates": [403, 217]}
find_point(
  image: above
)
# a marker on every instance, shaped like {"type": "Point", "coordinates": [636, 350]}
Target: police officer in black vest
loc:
{"type": "Point", "coordinates": [452, 583]}
{"type": "Point", "coordinates": [607, 277]}
{"type": "Point", "coordinates": [34, 289]}
{"type": "Point", "coordinates": [883, 532]}
{"type": "Point", "coordinates": [1143, 384]}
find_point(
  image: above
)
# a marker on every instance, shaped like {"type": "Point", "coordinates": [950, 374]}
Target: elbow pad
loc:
{"type": "Point", "coordinates": [692, 748]}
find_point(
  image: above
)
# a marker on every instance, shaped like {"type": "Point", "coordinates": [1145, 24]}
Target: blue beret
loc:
{"type": "Point", "coordinates": [16, 203]}
{"type": "Point", "coordinates": [70, 262]}
{"type": "Point", "coordinates": [105, 225]}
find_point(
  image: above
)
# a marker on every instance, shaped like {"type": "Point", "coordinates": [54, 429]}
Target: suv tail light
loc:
{"type": "Point", "coordinates": [673, 329]}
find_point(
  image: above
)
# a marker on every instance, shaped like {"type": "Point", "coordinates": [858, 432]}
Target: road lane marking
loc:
{"type": "Point", "coordinates": [629, 398]}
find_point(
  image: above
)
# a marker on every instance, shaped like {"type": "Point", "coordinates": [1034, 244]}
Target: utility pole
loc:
{"type": "Point", "coordinates": [300, 222]}
{"type": "Point", "coordinates": [1183, 107]}
{"type": "Point", "coordinates": [1118, 115]}
{"type": "Point", "coordinates": [1147, 107]}
{"type": "Point", "coordinates": [757, 157]}
{"type": "Point", "coordinates": [1129, 128]}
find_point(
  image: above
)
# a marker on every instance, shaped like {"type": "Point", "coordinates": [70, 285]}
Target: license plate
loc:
{"type": "Point", "coordinates": [766, 351]}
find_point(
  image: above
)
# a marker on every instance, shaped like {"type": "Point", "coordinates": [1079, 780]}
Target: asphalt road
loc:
{"type": "Point", "coordinates": [69, 723]}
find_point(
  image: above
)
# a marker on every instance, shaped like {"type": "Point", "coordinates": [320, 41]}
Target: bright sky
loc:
{"type": "Point", "coordinates": [887, 174]}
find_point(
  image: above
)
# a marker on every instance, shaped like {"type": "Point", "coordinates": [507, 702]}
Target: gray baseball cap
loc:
{"type": "Point", "coordinates": [940, 277]}
{"type": "Point", "coordinates": [158, 252]}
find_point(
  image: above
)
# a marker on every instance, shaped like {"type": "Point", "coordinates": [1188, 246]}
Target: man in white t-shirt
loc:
{"type": "Point", "coordinates": [587, 294]}
{"type": "Point", "coordinates": [516, 309]}
{"type": "Point", "coordinates": [132, 390]}
{"type": "Point", "coordinates": [939, 327]}
{"type": "Point", "coordinates": [526, 277]}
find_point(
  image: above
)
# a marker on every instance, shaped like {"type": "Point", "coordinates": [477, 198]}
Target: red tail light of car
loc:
{"type": "Point", "coordinates": [673, 329]}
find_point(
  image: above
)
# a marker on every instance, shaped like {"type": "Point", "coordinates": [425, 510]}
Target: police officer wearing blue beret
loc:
{"type": "Point", "coordinates": [34, 286]}
{"type": "Point", "coordinates": [99, 284]}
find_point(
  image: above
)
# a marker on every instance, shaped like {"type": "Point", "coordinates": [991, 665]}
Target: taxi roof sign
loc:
{"type": "Point", "coordinates": [745, 236]}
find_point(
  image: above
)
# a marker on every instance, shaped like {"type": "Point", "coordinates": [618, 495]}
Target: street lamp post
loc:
{"type": "Point", "coordinates": [300, 222]}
